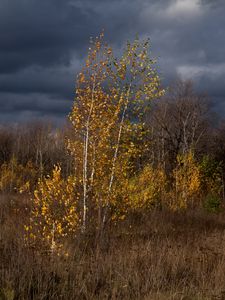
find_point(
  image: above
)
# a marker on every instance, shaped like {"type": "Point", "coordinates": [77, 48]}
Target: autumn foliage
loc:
{"type": "Point", "coordinates": [114, 161]}
{"type": "Point", "coordinates": [54, 215]}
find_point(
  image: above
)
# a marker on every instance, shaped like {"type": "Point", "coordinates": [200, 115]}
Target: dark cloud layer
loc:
{"type": "Point", "coordinates": [43, 44]}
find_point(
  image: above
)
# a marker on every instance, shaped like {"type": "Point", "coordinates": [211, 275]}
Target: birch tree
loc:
{"type": "Point", "coordinates": [112, 96]}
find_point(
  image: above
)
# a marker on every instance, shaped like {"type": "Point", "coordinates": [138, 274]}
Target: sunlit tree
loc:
{"type": "Point", "coordinates": [112, 96]}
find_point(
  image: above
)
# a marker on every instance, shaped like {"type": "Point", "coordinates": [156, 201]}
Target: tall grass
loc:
{"type": "Point", "coordinates": [160, 255]}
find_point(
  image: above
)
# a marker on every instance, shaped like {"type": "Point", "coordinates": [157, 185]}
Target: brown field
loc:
{"type": "Point", "coordinates": [160, 255]}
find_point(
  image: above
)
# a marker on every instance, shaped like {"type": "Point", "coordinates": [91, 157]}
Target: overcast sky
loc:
{"type": "Point", "coordinates": [43, 44]}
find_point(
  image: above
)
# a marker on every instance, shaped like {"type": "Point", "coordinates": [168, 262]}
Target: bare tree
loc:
{"type": "Point", "coordinates": [177, 123]}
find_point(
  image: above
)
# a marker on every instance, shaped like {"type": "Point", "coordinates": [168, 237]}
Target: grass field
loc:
{"type": "Point", "coordinates": [160, 255]}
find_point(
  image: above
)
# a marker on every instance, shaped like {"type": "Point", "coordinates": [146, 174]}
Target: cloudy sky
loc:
{"type": "Point", "coordinates": [43, 44]}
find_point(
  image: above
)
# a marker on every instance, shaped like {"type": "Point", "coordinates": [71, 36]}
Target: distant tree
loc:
{"type": "Point", "coordinates": [178, 124]}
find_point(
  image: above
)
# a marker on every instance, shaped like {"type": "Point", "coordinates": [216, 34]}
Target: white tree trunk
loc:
{"type": "Point", "coordinates": [85, 163]}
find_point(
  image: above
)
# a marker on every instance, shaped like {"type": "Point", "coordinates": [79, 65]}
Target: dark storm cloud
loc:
{"type": "Point", "coordinates": [39, 32]}
{"type": "Point", "coordinates": [43, 45]}
{"type": "Point", "coordinates": [20, 108]}
{"type": "Point", "coordinates": [46, 33]}
{"type": "Point", "coordinates": [52, 80]}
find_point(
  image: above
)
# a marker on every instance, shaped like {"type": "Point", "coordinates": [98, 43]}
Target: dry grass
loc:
{"type": "Point", "coordinates": [158, 256]}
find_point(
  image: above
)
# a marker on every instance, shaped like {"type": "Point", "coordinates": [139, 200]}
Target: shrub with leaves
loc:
{"type": "Point", "coordinates": [15, 177]}
{"type": "Point", "coordinates": [212, 203]}
{"type": "Point", "coordinates": [147, 189]}
{"type": "Point", "coordinates": [54, 215]}
{"type": "Point", "coordinates": [211, 176]}
{"type": "Point", "coordinates": [187, 182]}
